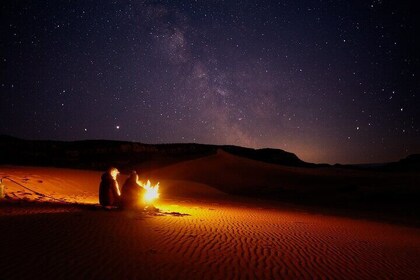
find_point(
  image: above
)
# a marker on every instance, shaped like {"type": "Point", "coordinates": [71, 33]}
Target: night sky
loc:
{"type": "Point", "coordinates": [331, 81]}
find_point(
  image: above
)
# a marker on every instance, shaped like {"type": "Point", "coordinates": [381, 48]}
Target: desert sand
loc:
{"type": "Point", "coordinates": [56, 230]}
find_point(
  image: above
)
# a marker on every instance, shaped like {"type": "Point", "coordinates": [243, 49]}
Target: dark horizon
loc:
{"type": "Point", "coordinates": [332, 82]}
{"type": "Point", "coordinates": [207, 144]}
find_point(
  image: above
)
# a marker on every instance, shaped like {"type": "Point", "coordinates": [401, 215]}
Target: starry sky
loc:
{"type": "Point", "coordinates": [331, 81]}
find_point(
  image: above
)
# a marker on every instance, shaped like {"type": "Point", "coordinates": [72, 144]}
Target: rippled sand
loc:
{"type": "Point", "coordinates": [196, 238]}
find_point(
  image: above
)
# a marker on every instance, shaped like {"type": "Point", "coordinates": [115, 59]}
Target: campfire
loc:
{"type": "Point", "coordinates": [152, 192]}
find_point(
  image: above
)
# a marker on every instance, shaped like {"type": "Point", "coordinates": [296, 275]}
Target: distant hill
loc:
{"type": "Point", "coordinates": [410, 163]}
{"type": "Point", "coordinates": [100, 154]}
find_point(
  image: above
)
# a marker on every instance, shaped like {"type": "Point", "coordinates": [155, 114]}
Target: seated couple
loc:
{"type": "Point", "coordinates": [129, 197]}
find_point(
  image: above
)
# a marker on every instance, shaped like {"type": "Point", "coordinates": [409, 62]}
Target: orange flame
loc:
{"type": "Point", "coordinates": [152, 192]}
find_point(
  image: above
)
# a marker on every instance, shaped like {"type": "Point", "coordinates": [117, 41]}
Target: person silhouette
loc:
{"type": "Point", "coordinates": [109, 191]}
{"type": "Point", "coordinates": [132, 193]}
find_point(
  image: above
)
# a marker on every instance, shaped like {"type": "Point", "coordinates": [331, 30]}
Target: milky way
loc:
{"type": "Point", "coordinates": [332, 81]}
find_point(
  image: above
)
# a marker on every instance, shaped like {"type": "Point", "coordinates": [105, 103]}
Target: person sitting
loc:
{"type": "Point", "coordinates": [109, 191]}
{"type": "Point", "coordinates": [132, 193]}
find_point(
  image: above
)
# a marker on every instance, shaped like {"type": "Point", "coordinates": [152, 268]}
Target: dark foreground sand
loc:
{"type": "Point", "coordinates": [196, 237]}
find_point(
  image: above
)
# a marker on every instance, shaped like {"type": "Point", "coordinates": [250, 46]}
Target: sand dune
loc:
{"type": "Point", "coordinates": [62, 184]}
{"type": "Point", "coordinates": [196, 236]}
{"type": "Point", "coordinates": [233, 174]}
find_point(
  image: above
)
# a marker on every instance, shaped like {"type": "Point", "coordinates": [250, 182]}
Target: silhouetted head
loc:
{"type": "Point", "coordinates": [113, 172]}
{"type": "Point", "coordinates": [134, 175]}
